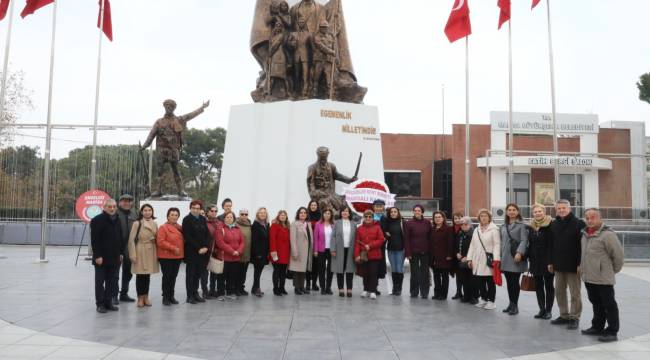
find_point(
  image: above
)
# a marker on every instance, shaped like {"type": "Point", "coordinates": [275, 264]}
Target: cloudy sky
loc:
{"type": "Point", "coordinates": [193, 50]}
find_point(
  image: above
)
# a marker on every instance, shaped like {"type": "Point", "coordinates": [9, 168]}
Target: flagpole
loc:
{"type": "Point", "coordinates": [5, 67]}
{"type": "Point", "coordinates": [467, 139]}
{"type": "Point", "coordinates": [443, 121]}
{"type": "Point", "coordinates": [556, 165]}
{"type": "Point", "coordinates": [48, 144]}
{"type": "Point", "coordinates": [511, 174]}
{"type": "Point", "coordinates": [93, 162]}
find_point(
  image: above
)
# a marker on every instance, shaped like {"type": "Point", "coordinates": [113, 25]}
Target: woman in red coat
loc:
{"type": "Point", "coordinates": [279, 251]}
{"type": "Point", "coordinates": [231, 241]}
{"type": "Point", "coordinates": [369, 239]}
{"type": "Point", "coordinates": [442, 259]}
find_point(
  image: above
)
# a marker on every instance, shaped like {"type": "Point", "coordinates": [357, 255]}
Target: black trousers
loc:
{"type": "Point", "coordinates": [514, 286]}
{"type": "Point", "coordinates": [205, 277]}
{"type": "Point", "coordinates": [420, 274]}
{"type": "Point", "coordinates": [105, 283]}
{"type": "Point", "coordinates": [545, 291]}
{"type": "Point", "coordinates": [325, 274]}
{"type": "Point", "coordinates": [279, 276]}
{"type": "Point", "coordinates": [142, 282]}
{"type": "Point", "coordinates": [258, 267]}
{"type": "Point", "coordinates": [312, 276]}
{"type": "Point", "coordinates": [603, 299]}
{"type": "Point", "coordinates": [169, 268]}
{"type": "Point", "coordinates": [231, 273]}
{"type": "Point", "coordinates": [467, 284]}
{"type": "Point", "coordinates": [193, 271]}
{"type": "Point", "coordinates": [441, 282]}
{"type": "Point", "coordinates": [243, 271]}
{"type": "Point", "coordinates": [126, 278]}
{"type": "Point", "coordinates": [299, 280]}
{"type": "Point", "coordinates": [218, 283]}
{"type": "Point", "coordinates": [371, 276]}
{"type": "Point", "coordinates": [486, 287]}
{"type": "Point", "coordinates": [347, 275]}
{"type": "Point", "coordinates": [459, 286]}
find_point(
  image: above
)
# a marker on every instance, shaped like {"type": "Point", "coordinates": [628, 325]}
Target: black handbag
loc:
{"type": "Point", "coordinates": [488, 255]}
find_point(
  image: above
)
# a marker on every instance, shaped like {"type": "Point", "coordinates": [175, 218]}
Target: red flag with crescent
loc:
{"type": "Point", "coordinates": [458, 25]}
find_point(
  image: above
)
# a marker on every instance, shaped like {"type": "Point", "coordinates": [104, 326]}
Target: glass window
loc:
{"type": "Point", "coordinates": [571, 189]}
{"type": "Point", "coordinates": [404, 183]}
{"type": "Point", "coordinates": [521, 192]}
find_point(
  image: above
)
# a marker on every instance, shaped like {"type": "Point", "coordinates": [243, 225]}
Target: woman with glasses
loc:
{"type": "Point", "coordinates": [369, 240]}
{"type": "Point", "coordinates": [196, 237]}
{"type": "Point", "coordinates": [142, 252]}
{"type": "Point", "coordinates": [301, 236]}
{"type": "Point", "coordinates": [231, 241]}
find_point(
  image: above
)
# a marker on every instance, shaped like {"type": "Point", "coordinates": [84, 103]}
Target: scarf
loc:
{"type": "Point", "coordinates": [231, 225]}
{"type": "Point", "coordinates": [536, 224]}
{"type": "Point", "coordinates": [313, 215]}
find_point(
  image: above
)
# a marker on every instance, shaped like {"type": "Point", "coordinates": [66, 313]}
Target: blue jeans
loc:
{"type": "Point", "coordinates": [396, 259]}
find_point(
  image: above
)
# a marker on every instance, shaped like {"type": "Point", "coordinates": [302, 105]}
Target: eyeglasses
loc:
{"type": "Point", "coordinates": [196, 208]}
{"type": "Point", "coordinates": [213, 210]}
{"type": "Point", "coordinates": [368, 216]}
{"type": "Point", "coordinates": [243, 214]}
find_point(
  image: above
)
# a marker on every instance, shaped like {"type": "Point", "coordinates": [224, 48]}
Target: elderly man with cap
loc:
{"type": "Point", "coordinates": [378, 208]}
{"type": "Point", "coordinates": [125, 217]}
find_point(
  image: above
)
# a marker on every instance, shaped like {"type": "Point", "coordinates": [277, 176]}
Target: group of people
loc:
{"type": "Point", "coordinates": [558, 253]}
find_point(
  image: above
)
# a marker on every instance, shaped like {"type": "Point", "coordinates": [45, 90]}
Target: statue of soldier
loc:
{"type": "Point", "coordinates": [321, 182]}
{"type": "Point", "coordinates": [277, 64]}
{"type": "Point", "coordinates": [300, 42]}
{"type": "Point", "coordinates": [324, 57]}
{"type": "Point", "coordinates": [168, 132]}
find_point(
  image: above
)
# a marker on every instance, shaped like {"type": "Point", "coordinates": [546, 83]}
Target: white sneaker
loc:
{"type": "Point", "coordinates": [365, 294]}
{"type": "Point", "coordinates": [481, 304]}
{"type": "Point", "coordinates": [490, 306]}
{"type": "Point", "coordinates": [373, 296]}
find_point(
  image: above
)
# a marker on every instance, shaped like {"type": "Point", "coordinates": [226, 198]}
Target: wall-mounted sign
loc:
{"type": "Point", "coordinates": [541, 123]}
{"type": "Point", "coordinates": [545, 193]}
{"type": "Point", "coordinates": [581, 162]}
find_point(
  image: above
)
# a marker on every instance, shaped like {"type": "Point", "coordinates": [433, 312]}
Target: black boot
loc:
{"type": "Point", "coordinates": [393, 276]}
{"type": "Point", "coordinates": [514, 310]}
{"type": "Point", "coordinates": [507, 310]}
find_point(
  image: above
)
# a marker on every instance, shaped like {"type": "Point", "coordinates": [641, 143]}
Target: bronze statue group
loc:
{"type": "Point", "coordinates": [555, 255]}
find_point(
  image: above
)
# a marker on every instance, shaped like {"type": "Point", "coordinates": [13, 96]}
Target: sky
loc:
{"type": "Point", "coordinates": [195, 50]}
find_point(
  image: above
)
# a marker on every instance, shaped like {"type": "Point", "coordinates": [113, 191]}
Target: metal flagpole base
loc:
{"type": "Point", "coordinates": [42, 261]}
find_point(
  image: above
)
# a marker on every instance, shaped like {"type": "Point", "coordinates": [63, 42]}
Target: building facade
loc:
{"type": "Point", "coordinates": [601, 165]}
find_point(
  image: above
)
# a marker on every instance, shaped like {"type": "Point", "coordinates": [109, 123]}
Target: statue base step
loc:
{"type": "Point", "coordinates": [270, 146]}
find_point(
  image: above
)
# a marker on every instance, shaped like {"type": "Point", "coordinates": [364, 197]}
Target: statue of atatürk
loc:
{"type": "Point", "coordinates": [331, 58]}
{"type": "Point", "coordinates": [168, 132]}
{"type": "Point", "coordinates": [321, 181]}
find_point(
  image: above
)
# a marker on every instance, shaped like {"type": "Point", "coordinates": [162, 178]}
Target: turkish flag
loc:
{"type": "Point", "coordinates": [535, 3]}
{"type": "Point", "coordinates": [458, 25]}
{"type": "Point", "coordinates": [108, 24]}
{"type": "Point", "coordinates": [33, 5]}
{"type": "Point", "coordinates": [504, 15]}
{"type": "Point", "coordinates": [4, 5]}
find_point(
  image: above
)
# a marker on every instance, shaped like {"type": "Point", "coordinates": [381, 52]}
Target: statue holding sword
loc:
{"type": "Point", "coordinates": [321, 181]}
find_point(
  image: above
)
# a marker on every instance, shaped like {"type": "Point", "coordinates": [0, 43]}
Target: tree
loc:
{"type": "Point", "coordinates": [17, 99]}
{"type": "Point", "coordinates": [202, 156]}
{"type": "Point", "coordinates": [644, 87]}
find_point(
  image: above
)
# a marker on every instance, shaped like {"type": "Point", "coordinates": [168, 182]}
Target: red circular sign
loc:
{"type": "Point", "coordinates": [362, 193]}
{"type": "Point", "coordinates": [89, 204]}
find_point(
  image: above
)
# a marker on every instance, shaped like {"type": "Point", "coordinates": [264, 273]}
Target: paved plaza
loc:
{"type": "Point", "coordinates": [47, 311]}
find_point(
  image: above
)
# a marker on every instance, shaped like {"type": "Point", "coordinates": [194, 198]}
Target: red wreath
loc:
{"type": "Point", "coordinates": [361, 207]}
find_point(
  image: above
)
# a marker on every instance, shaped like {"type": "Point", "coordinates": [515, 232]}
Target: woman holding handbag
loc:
{"type": "Point", "coordinates": [231, 241]}
{"type": "Point", "coordinates": [483, 256]}
{"type": "Point", "coordinates": [539, 238]}
{"type": "Point", "coordinates": [142, 252]}
{"type": "Point", "coordinates": [367, 251]}
{"type": "Point", "coordinates": [514, 246]}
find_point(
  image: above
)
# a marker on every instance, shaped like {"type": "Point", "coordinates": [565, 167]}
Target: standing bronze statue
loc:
{"type": "Point", "coordinates": [168, 132]}
{"type": "Point", "coordinates": [321, 182]}
{"type": "Point", "coordinates": [339, 84]}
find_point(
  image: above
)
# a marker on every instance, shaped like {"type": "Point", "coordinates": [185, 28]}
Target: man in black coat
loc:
{"type": "Point", "coordinates": [564, 255]}
{"type": "Point", "coordinates": [108, 253]}
{"type": "Point", "coordinates": [197, 242]}
{"type": "Point", "coordinates": [126, 217]}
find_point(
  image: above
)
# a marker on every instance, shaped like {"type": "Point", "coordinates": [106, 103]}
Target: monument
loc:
{"type": "Point", "coordinates": [168, 133]}
{"type": "Point", "coordinates": [306, 97]}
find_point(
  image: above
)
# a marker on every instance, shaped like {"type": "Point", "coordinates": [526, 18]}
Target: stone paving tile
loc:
{"type": "Point", "coordinates": [27, 351]}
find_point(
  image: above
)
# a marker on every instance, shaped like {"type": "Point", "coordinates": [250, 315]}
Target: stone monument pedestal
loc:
{"type": "Point", "coordinates": [269, 147]}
